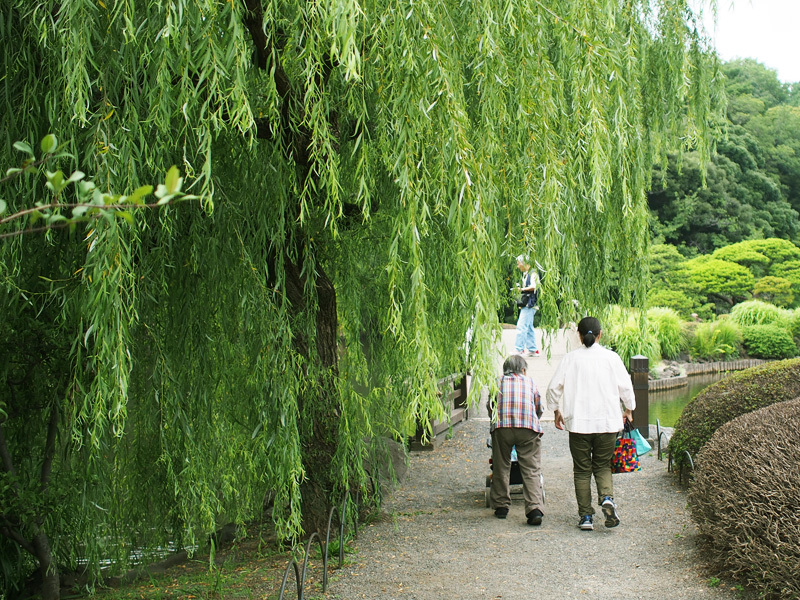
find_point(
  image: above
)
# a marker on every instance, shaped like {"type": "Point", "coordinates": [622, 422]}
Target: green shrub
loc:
{"type": "Point", "coordinates": [737, 394]}
{"type": "Point", "coordinates": [674, 299]}
{"type": "Point", "coordinates": [623, 333]}
{"type": "Point", "coordinates": [794, 322]}
{"type": "Point", "coordinates": [667, 326]}
{"type": "Point", "coordinates": [738, 473]}
{"type": "Point", "coordinates": [756, 312]}
{"type": "Point", "coordinates": [718, 340]}
{"type": "Point", "coordinates": [776, 290]}
{"type": "Point", "coordinates": [768, 341]}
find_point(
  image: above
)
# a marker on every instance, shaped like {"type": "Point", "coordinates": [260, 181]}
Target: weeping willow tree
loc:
{"type": "Point", "coordinates": [365, 171]}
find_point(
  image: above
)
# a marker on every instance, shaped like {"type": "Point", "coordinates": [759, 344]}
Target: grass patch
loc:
{"type": "Point", "coordinates": [249, 569]}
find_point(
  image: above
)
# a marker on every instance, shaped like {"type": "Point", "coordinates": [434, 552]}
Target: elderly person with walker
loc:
{"type": "Point", "coordinates": [586, 394]}
{"type": "Point", "coordinates": [515, 423]}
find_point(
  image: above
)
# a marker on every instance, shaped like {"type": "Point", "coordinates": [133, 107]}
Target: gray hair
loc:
{"type": "Point", "coordinates": [522, 258]}
{"type": "Point", "coordinates": [515, 364]}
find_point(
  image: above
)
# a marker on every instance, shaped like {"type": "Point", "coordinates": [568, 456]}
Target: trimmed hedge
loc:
{"type": "Point", "coordinates": [768, 341]}
{"type": "Point", "coordinates": [745, 499]}
{"type": "Point", "coordinates": [737, 394]}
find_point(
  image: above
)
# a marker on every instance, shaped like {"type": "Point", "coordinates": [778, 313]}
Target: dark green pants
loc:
{"type": "Point", "coordinates": [591, 455]}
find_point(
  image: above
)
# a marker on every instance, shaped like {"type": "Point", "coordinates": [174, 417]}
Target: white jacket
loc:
{"type": "Point", "coordinates": [587, 389]}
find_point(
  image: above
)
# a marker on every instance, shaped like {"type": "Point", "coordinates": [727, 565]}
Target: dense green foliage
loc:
{"type": "Point", "coordinates": [715, 340]}
{"type": "Point", "coordinates": [668, 328]}
{"type": "Point", "coordinates": [737, 394]}
{"type": "Point", "coordinates": [768, 269]}
{"type": "Point", "coordinates": [366, 173]}
{"type": "Point", "coordinates": [725, 281]}
{"type": "Point", "coordinates": [743, 471]}
{"type": "Point", "coordinates": [756, 312]}
{"type": "Point", "coordinates": [768, 341]}
{"type": "Point", "coordinates": [751, 188]}
{"type": "Point", "coordinates": [628, 334]}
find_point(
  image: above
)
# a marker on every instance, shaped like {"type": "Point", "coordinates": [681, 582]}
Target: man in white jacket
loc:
{"type": "Point", "coordinates": [586, 394]}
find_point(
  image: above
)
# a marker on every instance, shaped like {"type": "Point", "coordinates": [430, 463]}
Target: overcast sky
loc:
{"type": "Point", "coordinates": [767, 30]}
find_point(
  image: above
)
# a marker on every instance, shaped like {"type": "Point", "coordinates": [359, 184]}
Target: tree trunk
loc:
{"type": "Point", "coordinates": [51, 581]}
{"type": "Point", "coordinates": [320, 408]}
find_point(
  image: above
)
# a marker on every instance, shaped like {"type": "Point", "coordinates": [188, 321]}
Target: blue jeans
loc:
{"type": "Point", "coordinates": [526, 336]}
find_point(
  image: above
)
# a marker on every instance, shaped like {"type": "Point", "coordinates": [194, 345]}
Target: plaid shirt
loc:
{"type": "Point", "coordinates": [518, 403]}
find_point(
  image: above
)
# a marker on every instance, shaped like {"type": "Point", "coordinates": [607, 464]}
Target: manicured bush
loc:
{"type": "Point", "coordinates": [768, 341]}
{"type": "Point", "coordinates": [745, 498]}
{"type": "Point", "coordinates": [666, 325]}
{"type": "Point", "coordinates": [756, 312]}
{"type": "Point", "coordinates": [737, 394]}
{"type": "Point", "coordinates": [718, 340]}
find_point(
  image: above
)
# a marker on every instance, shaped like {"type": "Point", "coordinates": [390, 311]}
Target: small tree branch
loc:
{"type": "Point", "coordinates": [49, 448]}
{"type": "Point", "coordinates": [30, 165]}
{"type": "Point", "coordinates": [52, 205]}
{"type": "Point", "coordinates": [34, 230]}
{"type": "Point", "coordinates": [5, 455]}
{"type": "Point", "coordinates": [62, 225]}
{"type": "Point", "coordinates": [8, 530]}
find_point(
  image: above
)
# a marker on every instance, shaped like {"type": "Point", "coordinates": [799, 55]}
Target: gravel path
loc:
{"type": "Point", "coordinates": [436, 539]}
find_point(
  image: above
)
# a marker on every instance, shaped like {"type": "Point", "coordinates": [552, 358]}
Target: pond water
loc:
{"type": "Point", "coordinates": [666, 405]}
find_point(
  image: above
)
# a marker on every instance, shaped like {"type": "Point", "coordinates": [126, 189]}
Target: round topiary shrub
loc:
{"type": "Point", "coordinates": [745, 499]}
{"type": "Point", "coordinates": [768, 341]}
{"type": "Point", "coordinates": [737, 394]}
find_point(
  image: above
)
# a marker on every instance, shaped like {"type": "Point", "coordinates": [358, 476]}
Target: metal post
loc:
{"type": "Point", "coordinates": [461, 399]}
{"type": "Point", "coordinates": [640, 369]}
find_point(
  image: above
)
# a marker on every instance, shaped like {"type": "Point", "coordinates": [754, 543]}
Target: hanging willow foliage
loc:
{"type": "Point", "coordinates": [367, 170]}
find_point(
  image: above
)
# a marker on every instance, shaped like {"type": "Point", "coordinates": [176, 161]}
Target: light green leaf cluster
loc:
{"type": "Point", "coordinates": [716, 340]}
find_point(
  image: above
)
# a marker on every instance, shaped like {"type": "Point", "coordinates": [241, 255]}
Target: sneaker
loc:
{"type": "Point", "coordinates": [523, 353]}
{"type": "Point", "coordinates": [610, 511]}
{"type": "Point", "coordinates": [535, 517]}
{"type": "Point", "coordinates": [501, 513]}
{"type": "Point", "coordinates": [586, 523]}
{"type": "Point", "coordinates": [534, 353]}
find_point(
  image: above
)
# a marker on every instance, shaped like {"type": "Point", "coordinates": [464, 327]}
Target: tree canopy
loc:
{"type": "Point", "coordinates": [365, 173]}
{"type": "Point", "coordinates": [751, 187]}
{"type": "Point", "coordinates": [763, 268]}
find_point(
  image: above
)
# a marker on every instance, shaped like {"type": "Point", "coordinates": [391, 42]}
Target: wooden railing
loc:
{"type": "Point", "coordinates": [453, 390]}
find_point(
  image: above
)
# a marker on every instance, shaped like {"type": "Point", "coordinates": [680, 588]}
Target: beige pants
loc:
{"type": "Point", "coordinates": [529, 457]}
